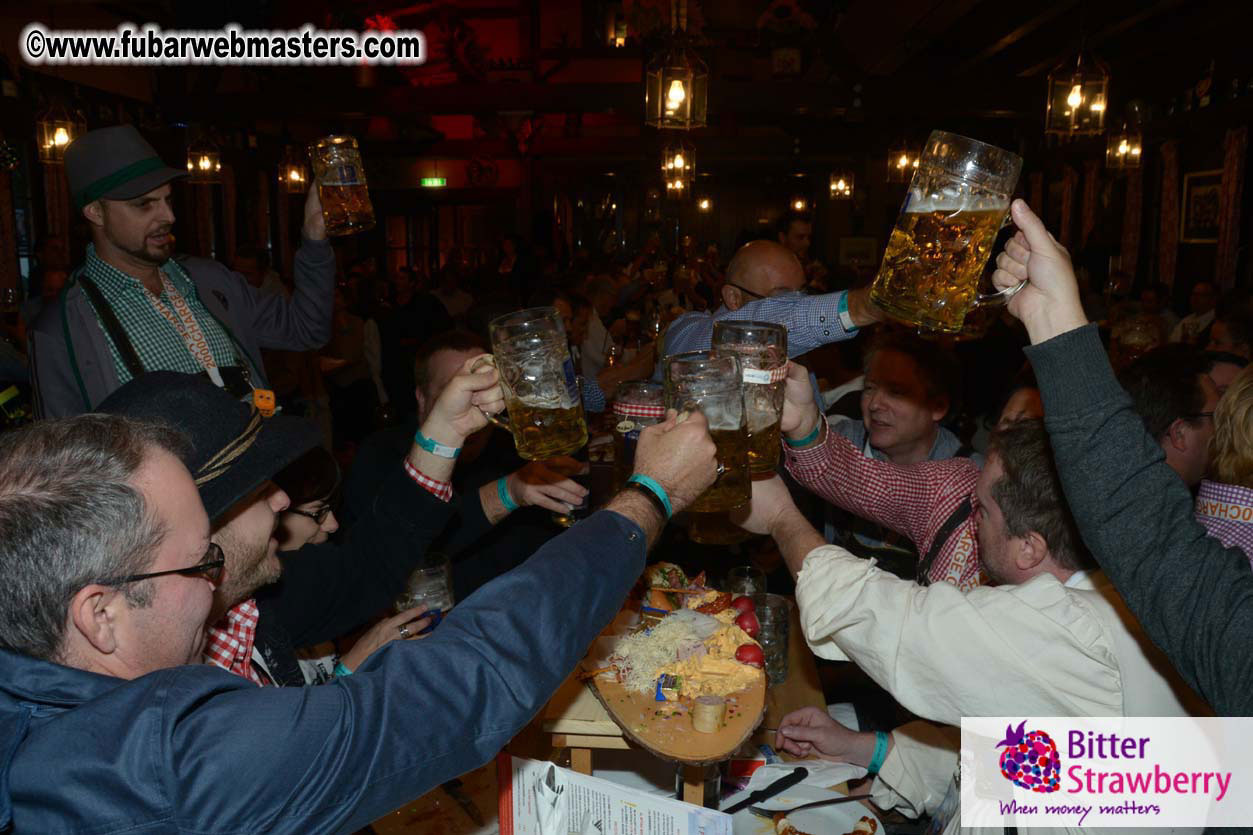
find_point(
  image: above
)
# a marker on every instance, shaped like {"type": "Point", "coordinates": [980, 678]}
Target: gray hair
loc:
{"type": "Point", "coordinates": [70, 515]}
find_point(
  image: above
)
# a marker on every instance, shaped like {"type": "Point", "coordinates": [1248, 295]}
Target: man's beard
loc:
{"type": "Point", "coordinates": [249, 566]}
{"type": "Point", "coordinates": [150, 254]}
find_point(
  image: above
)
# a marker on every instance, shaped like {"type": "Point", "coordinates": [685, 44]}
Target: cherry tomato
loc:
{"type": "Point", "coordinates": [751, 655]}
{"type": "Point", "coordinates": [748, 622]}
{"type": "Point", "coordinates": [743, 603]}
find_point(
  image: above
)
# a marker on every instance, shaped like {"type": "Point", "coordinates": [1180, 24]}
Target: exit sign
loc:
{"type": "Point", "coordinates": [434, 182]}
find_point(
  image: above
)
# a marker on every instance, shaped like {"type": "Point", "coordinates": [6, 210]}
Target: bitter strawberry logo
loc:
{"type": "Point", "coordinates": [1030, 759]}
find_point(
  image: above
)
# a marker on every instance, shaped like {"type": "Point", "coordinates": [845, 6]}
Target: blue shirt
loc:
{"type": "Point", "coordinates": [811, 322]}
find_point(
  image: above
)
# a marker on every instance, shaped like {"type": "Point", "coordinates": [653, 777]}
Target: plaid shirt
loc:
{"type": "Point", "coordinates": [915, 501]}
{"type": "Point", "coordinates": [230, 640]}
{"type": "Point", "coordinates": [156, 341]}
{"type": "Point", "coordinates": [1226, 512]}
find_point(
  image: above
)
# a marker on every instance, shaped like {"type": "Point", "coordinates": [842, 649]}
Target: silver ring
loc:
{"type": "Point", "coordinates": [403, 629]}
{"type": "Point", "coordinates": [721, 469]}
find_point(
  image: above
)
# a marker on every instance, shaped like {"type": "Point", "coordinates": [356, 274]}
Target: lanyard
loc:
{"type": "Point", "coordinates": [184, 321]}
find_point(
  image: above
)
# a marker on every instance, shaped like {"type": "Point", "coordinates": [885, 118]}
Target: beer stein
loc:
{"type": "Point", "coordinates": [346, 206]}
{"type": "Point", "coordinates": [545, 411]}
{"type": "Point", "coordinates": [638, 404]}
{"type": "Point", "coordinates": [956, 204]}
{"type": "Point", "coordinates": [762, 351]}
{"type": "Point", "coordinates": [712, 385]}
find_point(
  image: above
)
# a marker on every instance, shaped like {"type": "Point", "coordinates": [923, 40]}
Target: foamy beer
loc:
{"type": "Point", "coordinates": [541, 390]}
{"type": "Point", "coordinates": [638, 404]}
{"type": "Point", "coordinates": [711, 385]}
{"type": "Point", "coordinates": [956, 204]}
{"type": "Point", "coordinates": [346, 206]}
{"type": "Point", "coordinates": [761, 348]}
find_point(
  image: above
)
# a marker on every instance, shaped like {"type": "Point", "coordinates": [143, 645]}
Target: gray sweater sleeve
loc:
{"type": "Point", "coordinates": [1193, 596]}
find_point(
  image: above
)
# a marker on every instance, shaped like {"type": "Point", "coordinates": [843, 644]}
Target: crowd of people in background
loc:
{"type": "Point", "coordinates": [932, 486]}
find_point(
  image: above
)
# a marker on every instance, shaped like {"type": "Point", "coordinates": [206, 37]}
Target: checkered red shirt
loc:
{"type": "Point", "coordinates": [230, 640]}
{"type": "Point", "coordinates": [442, 490]}
{"type": "Point", "coordinates": [915, 501]}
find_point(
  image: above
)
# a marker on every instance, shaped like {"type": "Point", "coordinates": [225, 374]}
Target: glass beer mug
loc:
{"type": "Point", "coordinates": [762, 351]}
{"type": "Point", "coordinates": [346, 206]}
{"type": "Point", "coordinates": [696, 381]}
{"type": "Point", "coordinates": [957, 202]}
{"type": "Point", "coordinates": [545, 411]}
{"type": "Point", "coordinates": [637, 404]}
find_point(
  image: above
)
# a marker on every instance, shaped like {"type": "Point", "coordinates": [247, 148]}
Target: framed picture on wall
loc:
{"type": "Point", "coordinates": [1202, 202]}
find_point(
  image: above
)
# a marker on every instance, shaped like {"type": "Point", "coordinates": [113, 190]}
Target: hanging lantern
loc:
{"type": "Point", "coordinates": [678, 169]}
{"type": "Point", "coordinates": [1078, 95]}
{"type": "Point", "coordinates": [705, 204]}
{"type": "Point", "coordinates": [293, 175]}
{"type": "Point", "coordinates": [840, 185]}
{"type": "Point", "coordinates": [902, 160]}
{"type": "Point", "coordinates": [55, 129]}
{"type": "Point", "coordinates": [204, 162]}
{"type": "Point", "coordinates": [1124, 148]}
{"type": "Point", "coordinates": [798, 204]}
{"type": "Point", "coordinates": [676, 89]}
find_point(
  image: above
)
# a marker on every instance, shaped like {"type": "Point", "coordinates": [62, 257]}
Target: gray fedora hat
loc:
{"type": "Point", "coordinates": [114, 163]}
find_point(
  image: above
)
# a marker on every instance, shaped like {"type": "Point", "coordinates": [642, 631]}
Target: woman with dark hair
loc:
{"type": "Point", "coordinates": [310, 482]}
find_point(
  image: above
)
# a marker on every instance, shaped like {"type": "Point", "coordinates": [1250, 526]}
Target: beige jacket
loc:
{"type": "Point", "coordinates": [1043, 648]}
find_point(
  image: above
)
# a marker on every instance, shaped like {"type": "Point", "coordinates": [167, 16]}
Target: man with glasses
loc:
{"type": "Point", "coordinates": [764, 280]}
{"type": "Point", "coordinates": [1172, 391]}
{"type": "Point", "coordinates": [106, 581]}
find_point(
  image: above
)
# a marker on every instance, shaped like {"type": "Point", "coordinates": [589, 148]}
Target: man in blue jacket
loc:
{"type": "Point", "coordinates": [106, 578]}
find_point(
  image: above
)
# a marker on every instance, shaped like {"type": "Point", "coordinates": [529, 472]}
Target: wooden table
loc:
{"type": "Point", "coordinates": [576, 720]}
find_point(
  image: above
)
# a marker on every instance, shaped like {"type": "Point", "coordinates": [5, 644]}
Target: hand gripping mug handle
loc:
{"type": "Point", "coordinates": [503, 422]}
{"type": "Point", "coordinates": [1001, 296]}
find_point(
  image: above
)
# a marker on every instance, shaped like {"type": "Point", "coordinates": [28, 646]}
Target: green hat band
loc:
{"type": "Point", "coordinates": [100, 187]}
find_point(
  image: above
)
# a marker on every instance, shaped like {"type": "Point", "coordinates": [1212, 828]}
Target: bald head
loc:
{"type": "Point", "coordinates": [762, 268]}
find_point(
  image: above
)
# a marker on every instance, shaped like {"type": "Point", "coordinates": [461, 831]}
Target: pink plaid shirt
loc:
{"type": "Point", "coordinates": [230, 640]}
{"type": "Point", "coordinates": [1226, 512]}
{"type": "Point", "coordinates": [915, 501]}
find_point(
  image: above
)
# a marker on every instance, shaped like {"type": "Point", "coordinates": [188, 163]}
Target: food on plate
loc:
{"type": "Point", "coordinates": [708, 713]}
{"type": "Point", "coordinates": [698, 650]}
{"type": "Point", "coordinates": [783, 826]}
{"type": "Point", "coordinates": [748, 622]}
{"type": "Point", "coordinates": [750, 654]}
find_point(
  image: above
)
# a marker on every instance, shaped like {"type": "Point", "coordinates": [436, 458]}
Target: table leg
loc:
{"type": "Point", "coordinates": [694, 784]}
{"type": "Point", "coordinates": [581, 760]}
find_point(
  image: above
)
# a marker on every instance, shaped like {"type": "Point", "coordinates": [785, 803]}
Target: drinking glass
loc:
{"type": "Point", "coordinates": [342, 188]}
{"type": "Point", "coordinates": [429, 585]}
{"type": "Point", "coordinates": [638, 404]}
{"type": "Point", "coordinates": [956, 204]}
{"type": "Point", "coordinates": [697, 382]}
{"type": "Point", "coordinates": [529, 349]}
{"type": "Point", "coordinates": [762, 351]}
{"type": "Point", "coordinates": [774, 614]}
{"type": "Point", "coordinates": [746, 579]}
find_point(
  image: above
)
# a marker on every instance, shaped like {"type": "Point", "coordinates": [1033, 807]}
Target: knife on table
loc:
{"type": "Point", "coordinates": [453, 788]}
{"type": "Point", "coordinates": [778, 786]}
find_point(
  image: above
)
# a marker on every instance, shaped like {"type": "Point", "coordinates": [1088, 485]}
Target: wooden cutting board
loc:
{"type": "Point", "coordinates": [665, 728]}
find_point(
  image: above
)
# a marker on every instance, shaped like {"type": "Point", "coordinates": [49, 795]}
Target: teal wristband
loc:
{"type": "Point", "coordinates": [808, 439]}
{"type": "Point", "coordinates": [435, 447]}
{"type": "Point", "coordinates": [656, 489]}
{"type": "Point", "coordinates": [846, 320]}
{"type": "Point", "coordinates": [502, 490]}
{"type": "Point", "coordinates": [340, 670]}
{"type": "Point", "coordinates": [880, 753]}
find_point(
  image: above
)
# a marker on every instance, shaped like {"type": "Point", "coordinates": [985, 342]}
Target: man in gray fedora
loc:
{"type": "Point", "coordinates": [134, 307]}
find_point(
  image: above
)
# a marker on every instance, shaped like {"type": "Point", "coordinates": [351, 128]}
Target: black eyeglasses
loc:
{"type": "Point", "coordinates": [318, 515]}
{"type": "Point", "coordinates": [1199, 415]}
{"type": "Point", "coordinates": [210, 568]}
{"type": "Point", "coordinates": [745, 290]}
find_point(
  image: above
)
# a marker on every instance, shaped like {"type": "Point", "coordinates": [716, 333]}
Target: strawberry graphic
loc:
{"type": "Point", "coordinates": [1030, 759]}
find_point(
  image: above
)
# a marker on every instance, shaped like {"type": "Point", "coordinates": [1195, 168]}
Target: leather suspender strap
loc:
{"type": "Point", "coordinates": [113, 327]}
{"type": "Point", "coordinates": [937, 543]}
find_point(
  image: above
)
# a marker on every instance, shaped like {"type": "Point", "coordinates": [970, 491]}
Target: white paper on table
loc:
{"type": "Point", "coordinates": [533, 804]}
